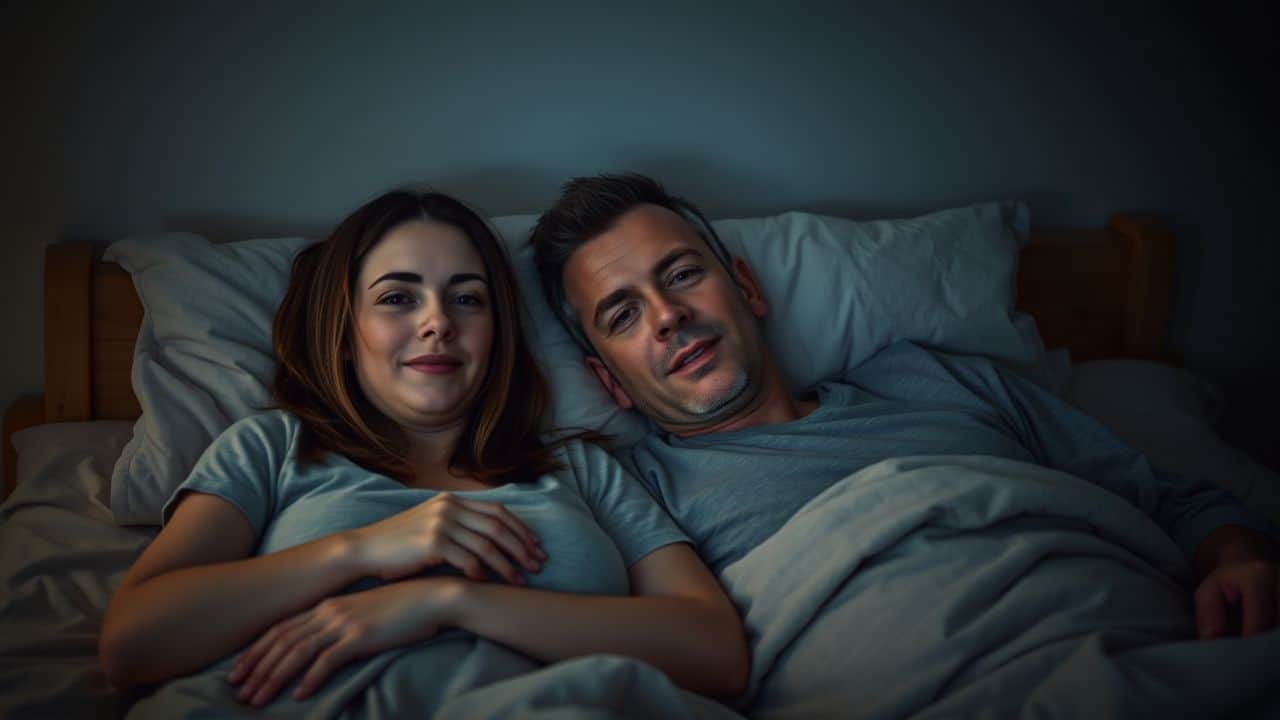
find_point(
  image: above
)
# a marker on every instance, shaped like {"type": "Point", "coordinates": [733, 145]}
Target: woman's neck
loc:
{"type": "Point", "coordinates": [430, 454]}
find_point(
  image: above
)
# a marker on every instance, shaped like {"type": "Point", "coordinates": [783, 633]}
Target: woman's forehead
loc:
{"type": "Point", "coordinates": [424, 247]}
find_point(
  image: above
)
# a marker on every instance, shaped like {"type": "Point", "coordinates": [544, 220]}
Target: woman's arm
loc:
{"type": "Point", "coordinates": [195, 595]}
{"type": "Point", "coordinates": [678, 620]}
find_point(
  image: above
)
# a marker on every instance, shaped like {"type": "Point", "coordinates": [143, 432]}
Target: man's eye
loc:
{"type": "Point", "coordinates": [620, 320]}
{"type": "Point", "coordinates": [685, 275]}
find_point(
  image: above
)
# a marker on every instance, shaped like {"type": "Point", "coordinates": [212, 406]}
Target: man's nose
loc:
{"type": "Point", "coordinates": [668, 316]}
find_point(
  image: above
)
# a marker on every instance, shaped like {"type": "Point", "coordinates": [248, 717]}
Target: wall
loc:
{"type": "Point", "coordinates": [234, 121]}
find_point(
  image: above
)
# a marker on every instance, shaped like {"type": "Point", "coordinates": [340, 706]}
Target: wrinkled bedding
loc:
{"type": "Point", "coordinates": [944, 587]}
{"type": "Point", "coordinates": [61, 555]}
{"type": "Point", "coordinates": [972, 586]}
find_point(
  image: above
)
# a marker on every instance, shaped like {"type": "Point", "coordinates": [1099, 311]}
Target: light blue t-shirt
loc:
{"type": "Point", "coordinates": [730, 491]}
{"type": "Point", "coordinates": [593, 519]}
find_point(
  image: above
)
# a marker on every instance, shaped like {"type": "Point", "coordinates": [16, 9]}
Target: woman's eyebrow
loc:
{"type": "Point", "coordinates": [411, 277]}
{"type": "Point", "coordinates": [401, 276]}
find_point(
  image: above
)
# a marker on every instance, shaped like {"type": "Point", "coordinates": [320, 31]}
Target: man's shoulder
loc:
{"type": "Point", "coordinates": [896, 353]}
{"type": "Point", "coordinates": [907, 358]}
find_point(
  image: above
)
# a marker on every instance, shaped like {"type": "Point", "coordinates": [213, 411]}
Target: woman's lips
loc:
{"type": "Point", "coordinates": [435, 365]}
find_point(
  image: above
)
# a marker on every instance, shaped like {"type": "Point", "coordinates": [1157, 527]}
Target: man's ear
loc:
{"type": "Point", "coordinates": [609, 383]}
{"type": "Point", "coordinates": [749, 287]}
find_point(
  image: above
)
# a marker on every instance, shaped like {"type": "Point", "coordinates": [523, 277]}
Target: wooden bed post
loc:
{"type": "Point", "coordinates": [1151, 249]}
{"type": "Point", "coordinates": [68, 304]}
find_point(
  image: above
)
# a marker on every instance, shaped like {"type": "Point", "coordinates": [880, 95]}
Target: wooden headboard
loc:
{"type": "Point", "coordinates": [1100, 293]}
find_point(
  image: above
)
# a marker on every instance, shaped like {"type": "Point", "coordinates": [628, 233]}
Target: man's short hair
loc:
{"type": "Point", "coordinates": [589, 207]}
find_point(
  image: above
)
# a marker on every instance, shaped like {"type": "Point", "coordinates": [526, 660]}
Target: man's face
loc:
{"type": "Point", "coordinates": [677, 335]}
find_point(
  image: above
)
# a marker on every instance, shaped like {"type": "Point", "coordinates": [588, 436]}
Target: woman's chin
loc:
{"type": "Point", "coordinates": [435, 413]}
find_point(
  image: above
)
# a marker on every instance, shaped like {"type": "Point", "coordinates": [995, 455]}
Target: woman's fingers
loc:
{"type": "Point", "coordinates": [249, 659]}
{"type": "Point", "coordinates": [288, 657]}
{"type": "Point", "coordinates": [500, 533]}
{"type": "Point", "coordinates": [513, 523]}
{"type": "Point", "coordinates": [330, 659]}
{"type": "Point", "coordinates": [474, 551]}
{"type": "Point", "coordinates": [287, 666]}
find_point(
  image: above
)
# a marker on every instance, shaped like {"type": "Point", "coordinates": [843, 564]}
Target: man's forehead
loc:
{"type": "Point", "coordinates": [633, 247]}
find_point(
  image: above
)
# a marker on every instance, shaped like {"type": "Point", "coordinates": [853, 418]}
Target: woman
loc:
{"type": "Point", "coordinates": [401, 489]}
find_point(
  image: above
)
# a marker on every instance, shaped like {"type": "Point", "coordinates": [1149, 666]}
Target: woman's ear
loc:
{"type": "Point", "coordinates": [609, 382]}
{"type": "Point", "coordinates": [749, 287]}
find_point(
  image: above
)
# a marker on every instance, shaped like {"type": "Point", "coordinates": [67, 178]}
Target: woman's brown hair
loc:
{"type": "Point", "coordinates": [315, 379]}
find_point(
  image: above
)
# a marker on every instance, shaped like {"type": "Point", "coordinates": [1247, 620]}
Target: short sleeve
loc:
{"type": "Point", "coordinates": [622, 506]}
{"type": "Point", "coordinates": [242, 466]}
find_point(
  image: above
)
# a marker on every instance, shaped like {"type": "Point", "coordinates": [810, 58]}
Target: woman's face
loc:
{"type": "Point", "coordinates": [423, 324]}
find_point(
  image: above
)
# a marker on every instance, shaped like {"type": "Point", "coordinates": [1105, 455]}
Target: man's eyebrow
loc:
{"type": "Point", "coordinates": [671, 258]}
{"type": "Point", "coordinates": [659, 269]}
{"type": "Point", "coordinates": [411, 277]}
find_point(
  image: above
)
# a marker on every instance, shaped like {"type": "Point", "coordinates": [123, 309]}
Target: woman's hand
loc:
{"type": "Point", "coordinates": [447, 530]}
{"type": "Point", "coordinates": [339, 630]}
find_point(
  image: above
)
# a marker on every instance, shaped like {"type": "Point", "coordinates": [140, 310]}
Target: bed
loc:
{"type": "Point", "coordinates": [1101, 294]}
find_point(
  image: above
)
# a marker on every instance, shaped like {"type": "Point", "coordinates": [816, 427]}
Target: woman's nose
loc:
{"type": "Point", "coordinates": [435, 321]}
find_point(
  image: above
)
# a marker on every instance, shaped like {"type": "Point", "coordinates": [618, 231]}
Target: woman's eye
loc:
{"type": "Point", "coordinates": [468, 300]}
{"type": "Point", "coordinates": [395, 299]}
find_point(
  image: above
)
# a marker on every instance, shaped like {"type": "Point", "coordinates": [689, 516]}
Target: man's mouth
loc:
{"type": "Point", "coordinates": [694, 356]}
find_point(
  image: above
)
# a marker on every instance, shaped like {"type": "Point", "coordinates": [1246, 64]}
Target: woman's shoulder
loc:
{"type": "Point", "coordinates": [586, 462]}
{"type": "Point", "coordinates": [272, 426]}
{"type": "Point", "coordinates": [269, 417]}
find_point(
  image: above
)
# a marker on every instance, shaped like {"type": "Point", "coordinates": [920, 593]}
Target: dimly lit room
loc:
{"type": "Point", "coordinates": [706, 360]}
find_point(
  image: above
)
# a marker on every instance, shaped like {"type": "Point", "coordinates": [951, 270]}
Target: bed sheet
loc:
{"type": "Point", "coordinates": [61, 555]}
{"type": "Point", "coordinates": [970, 586]}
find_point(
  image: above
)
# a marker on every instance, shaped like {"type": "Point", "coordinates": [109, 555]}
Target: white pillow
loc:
{"type": "Point", "coordinates": [203, 357]}
{"type": "Point", "coordinates": [838, 291]}
{"type": "Point", "coordinates": [1167, 414]}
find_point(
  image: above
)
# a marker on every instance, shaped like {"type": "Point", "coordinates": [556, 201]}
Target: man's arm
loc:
{"type": "Point", "coordinates": [1063, 437]}
{"type": "Point", "coordinates": [1233, 551]}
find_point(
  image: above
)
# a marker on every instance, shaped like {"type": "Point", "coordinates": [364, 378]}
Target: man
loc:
{"type": "Point", "coordinates": [670, 325]}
